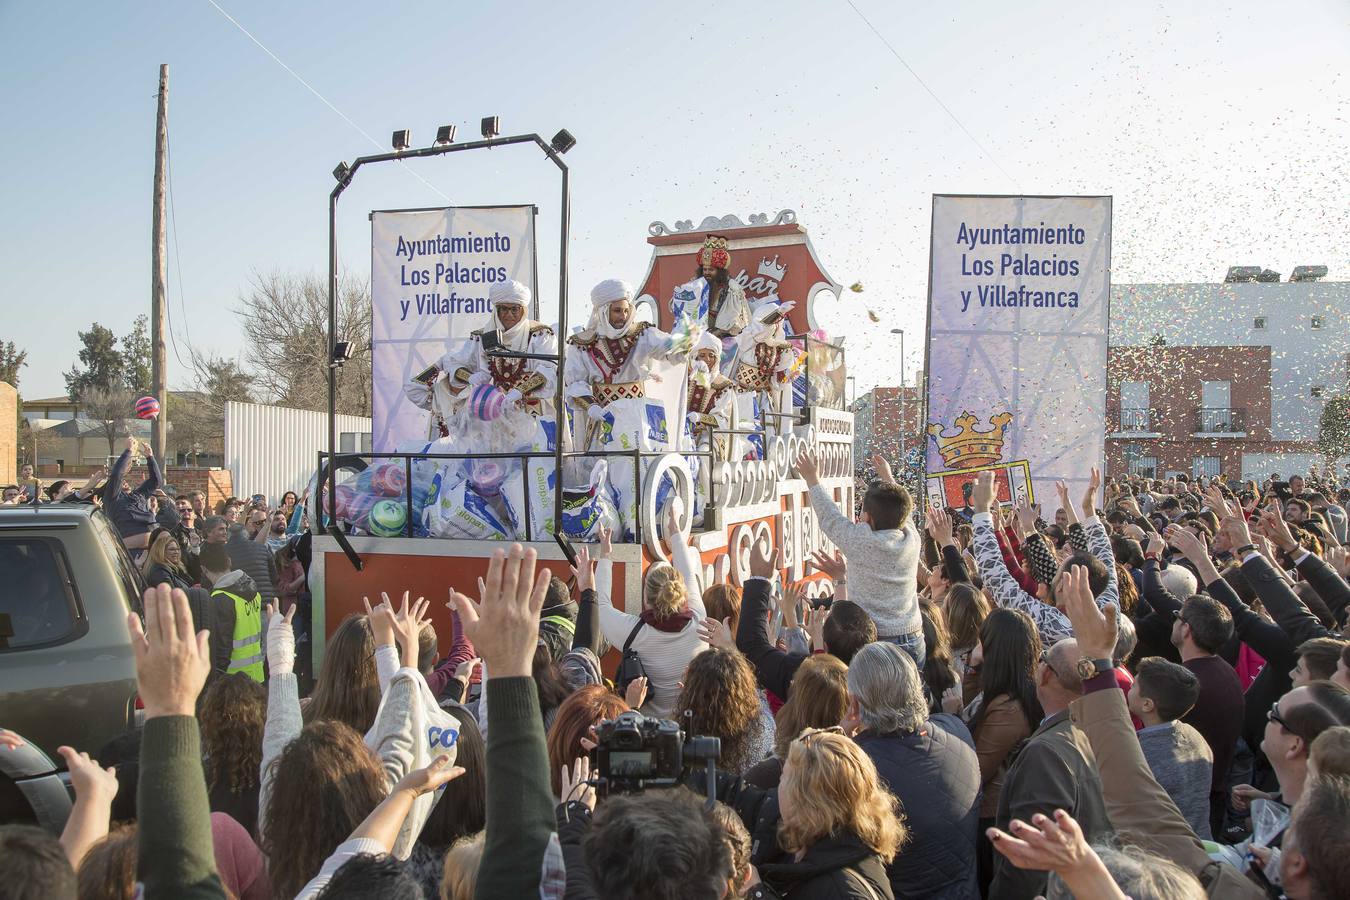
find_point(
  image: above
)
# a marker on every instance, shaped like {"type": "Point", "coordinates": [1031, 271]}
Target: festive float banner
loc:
{"type": "Point", "coordinates": [1018, 303]}
{"type": "Point", "coordinates": [430, 273]}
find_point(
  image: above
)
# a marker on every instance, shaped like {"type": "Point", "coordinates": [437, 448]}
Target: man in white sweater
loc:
{"type": "Point", "coordinates": [882, 552]}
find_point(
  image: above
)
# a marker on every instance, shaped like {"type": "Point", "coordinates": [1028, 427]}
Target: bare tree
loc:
{"type": "Point", "coordinates": [285, 319]}
{"type": "Point", "coordinates": [109, 406]}
{"type": "Point", "coordinates": [198, 416]}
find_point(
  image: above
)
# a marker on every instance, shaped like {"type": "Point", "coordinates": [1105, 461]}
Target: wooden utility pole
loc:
{"type": "Point", "coordinates": [158, 263]}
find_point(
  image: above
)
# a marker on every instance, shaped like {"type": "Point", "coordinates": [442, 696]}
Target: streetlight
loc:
{"type": "Point", "coordinates": [904, 459]}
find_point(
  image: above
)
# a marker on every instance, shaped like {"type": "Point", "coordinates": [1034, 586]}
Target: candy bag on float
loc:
{"type": "Point", "coordinates": [589, 508]}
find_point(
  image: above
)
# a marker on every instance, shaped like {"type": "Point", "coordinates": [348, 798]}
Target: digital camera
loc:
{"type": "Point", "coordinates": [634, 752]}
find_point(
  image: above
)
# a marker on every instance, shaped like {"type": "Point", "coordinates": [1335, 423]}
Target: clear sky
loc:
{"type": "Point", "coordinates": [1222, 130]}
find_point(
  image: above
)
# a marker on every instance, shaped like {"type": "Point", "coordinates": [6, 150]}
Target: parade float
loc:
{"type": "Point", "coordinates": [386, 531]}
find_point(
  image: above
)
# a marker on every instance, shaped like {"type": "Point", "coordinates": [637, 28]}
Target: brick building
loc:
{"type": "Point", "coordinates": [881, 416]}
{"type": "Point", "coordinates": [1224, 378]}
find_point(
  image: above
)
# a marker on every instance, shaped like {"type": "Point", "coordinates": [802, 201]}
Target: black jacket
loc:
{"type": "Point", "coordinates": [840, 867]}
{"type": "Point", "coordinates": [130, 510]}
{"type": "Point", "coordinates": [936, 776]}
{"type": "Point", "coordinates": [161, 574]}
{"type": "Point", "coordinates": [255, 560]}
{"type": "Point", "coordinates": [774, 669]}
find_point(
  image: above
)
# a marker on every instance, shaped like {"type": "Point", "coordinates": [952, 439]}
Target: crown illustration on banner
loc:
{"type": "Point", "coordinates": [968, 448]}
{"type": "Point", "coordinates": [770, 268]}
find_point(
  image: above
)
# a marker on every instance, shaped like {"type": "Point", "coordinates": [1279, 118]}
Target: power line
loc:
{"type": "Point", "coordinates": [326, 102]}
{"type": "Point", "coordinates": [177, 263]}
{"type": "Point", "coordinates": [989, 156]}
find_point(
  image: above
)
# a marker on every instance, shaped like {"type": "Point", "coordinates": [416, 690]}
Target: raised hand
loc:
{"type": "Point", "coordinates": [835, 566]}
{"type": "Point", "coordinates": [1065, 504]}
{"type": "Point", "coordinates": [808, 466]}
{"type": "Point", "coordinates": [1155, 545]}
{"type": "Point", "coordinates": [171, 662]}
{"type": "Point", "coordinates": [1025, 519]}
{"type": "Point", "coordinates": [1094, 628]}
{"type": "Point", "coordinates": [1277, 529]}
{"type": "Point", "coordinates": [636, 693]}
{"type": "Point", "coordinates": [939, 526]}
{"type": "Point", "coordinates": [1056, 845]}
{"type": "Point", "coordinates": [606, 542]}
{"type": "Point", "coordinates": [982, 497]}
{"type": "Point", "coordinates": [381, 618]}
{"type": "Point", "coordinates": [1186, 543]}
{"type": "Point", "coordinates": [466, 669]}
{"type": "Point", "coordinates": [883, 468]}
{"type": "Point", "coordinates": [575, 783]}
{"type": "Point", "coordinates": [1090, 495]}
{"type": "Point", "coordinates": [762, 563]}
{"type": "Point", "coordinates": [716, 634]}
{"type": "Point", "coordinates": [90, 780]}
{"type": "Point", "coordinates": [423, 781]}
{"type": "Point", "coordinates": [584, 570]}
{"type": "Point", "coordinates": [408, 622]}
{"type": "Point", "coordinates": [788, 603]}
{"type": "Point", "coordinates": [504, 623]}
{"type": "Point", "coordinates": [815, 626]}
{"type": "Point", "coordinates": [280, 640]}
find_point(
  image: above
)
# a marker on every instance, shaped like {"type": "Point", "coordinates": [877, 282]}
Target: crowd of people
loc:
{"type": "Point", "coordinates": [1146, 694]}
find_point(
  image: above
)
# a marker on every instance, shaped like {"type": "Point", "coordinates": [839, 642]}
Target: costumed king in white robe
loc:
{"type": "Point", "coordinates": [711, 403]}
{"type": "Point", "coordinates": [605, 377]}
{"type": "Point", "coordinates": [763, 360]}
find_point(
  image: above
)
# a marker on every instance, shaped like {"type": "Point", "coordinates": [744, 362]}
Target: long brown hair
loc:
{"type": "Point", "coordinates": [967, 607]}
{"type": "Point", "coordinates": [462, 808]}
{"type": "Point", "coordinates": [819, 699]}
{"type": "Point", "coordinates": [232, 716]}
{"type": "Point", "coordinates": [720, 692]}
{"type": "Point", "coordinates": [324, 784]}
{"type": "Point", "coordinates": [832, 786]}
{"type": "Point", "coordinates": [582, 709]}
{"type": "Point", "coordinates": [723, 601]}
{"type": "Point", "coordinates": [348, 689]}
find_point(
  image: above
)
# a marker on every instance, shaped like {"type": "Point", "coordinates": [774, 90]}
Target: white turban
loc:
{"type": "Point", "coordinates": [708, 341]}
{"type": "Point", "coordinates": [515, 294]}
{"type": "Point", "coordinates": [611, 290]}
{"type": "Point", "coordinates": [509, 292]}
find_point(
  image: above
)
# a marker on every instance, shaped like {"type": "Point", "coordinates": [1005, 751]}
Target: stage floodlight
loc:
{"type": "Point", "coordinates": [563, 141]}
{"type": "Point", "coordinates": [402, 139]}
{"type": "Point", "coordinates": [342, 172]}
{"type": "Point", "coordinates": [445, 134]}
{"type": "Point", "coordinates": [491, 127]}
{"type": "Point", "coordinates": [342, 351]}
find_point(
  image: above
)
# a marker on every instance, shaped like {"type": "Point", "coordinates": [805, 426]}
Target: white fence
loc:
{"type": "Point", "coordinates": [270, 449]}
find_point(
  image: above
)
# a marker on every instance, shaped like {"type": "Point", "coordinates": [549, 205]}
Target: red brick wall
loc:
{"type": "Point", "coordinates": [1174, 376]}
{"type": "Point", "coordinates": [217, 483]}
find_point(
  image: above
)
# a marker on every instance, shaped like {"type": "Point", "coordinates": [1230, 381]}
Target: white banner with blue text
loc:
{"type": "Point", "coordinates": [430, 273]}
{"type": "Point", "coordinates": [1018, 304]}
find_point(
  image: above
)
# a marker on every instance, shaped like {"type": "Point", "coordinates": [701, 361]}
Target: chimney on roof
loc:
{"type": "Point", "coordinates": [1308, 273]}
{"type": "Point", "coordinates": [1269, 275]}
{"type": "Point", "coordinates": [1237, 274]}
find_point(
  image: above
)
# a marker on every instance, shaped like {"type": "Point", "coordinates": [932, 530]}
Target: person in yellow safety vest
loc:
{"type": "Point", "coordinates": [235, 615]}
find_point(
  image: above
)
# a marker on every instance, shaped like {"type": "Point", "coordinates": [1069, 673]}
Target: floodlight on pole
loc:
{"type": "Point", "coordinates": [445, 134]}
{"type": "Point", "coordinates": [490, 127]}
{"type": "Point", "coordinates": [563, 141]}
{"type": "Point", "coordinates": [402, 139]}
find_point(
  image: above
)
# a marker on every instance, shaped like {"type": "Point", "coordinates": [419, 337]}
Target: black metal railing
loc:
{"type": "Point", "coordinates": [1132, 419]}
{"type": "Point", "coordinates": [1220, 420]}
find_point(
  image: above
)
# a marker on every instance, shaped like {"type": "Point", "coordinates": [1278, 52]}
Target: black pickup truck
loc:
{"type": "Point", "coordinates": [67, 675]}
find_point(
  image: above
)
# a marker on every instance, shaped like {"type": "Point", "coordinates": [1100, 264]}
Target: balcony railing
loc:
{"type": "Point", "coordinates": [1220, 421]}
{"type": "Point", "coordinates": [1131, 420]}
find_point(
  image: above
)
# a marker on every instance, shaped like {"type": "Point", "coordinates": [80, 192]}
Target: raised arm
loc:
{"type": "Point", "coordinates": [113, 486]}
{"type": "Point", "coordinates": [175, 855]}
{"type": "Point", "coordinates": [505, 629]}
{"type": "Point", "coordinates": [774, 669]}
{"type": "Point", "coordinates": [155, 480]}
{"type": "Point", "coordinates": [284, 721]}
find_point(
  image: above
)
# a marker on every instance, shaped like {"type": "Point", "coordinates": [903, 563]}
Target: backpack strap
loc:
{"type": "Point", "coordinates": [632, 634]}
{"type": "Point", "coordinates": [855, 875]}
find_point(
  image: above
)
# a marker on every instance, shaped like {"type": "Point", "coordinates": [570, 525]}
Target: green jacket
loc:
{"type": "Point", "coordinates": [176, 859]}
